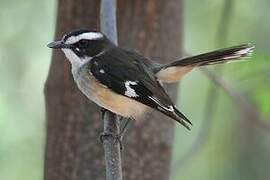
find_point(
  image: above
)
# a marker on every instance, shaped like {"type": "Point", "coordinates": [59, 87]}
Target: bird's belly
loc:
{"type": "Point", "coordinates": [110, 100]}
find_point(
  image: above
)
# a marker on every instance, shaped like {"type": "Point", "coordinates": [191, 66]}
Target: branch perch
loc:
{"type": "Point", "coordinates": [111, 121]}
{"type": "Point", "coordinates": [112, 147]}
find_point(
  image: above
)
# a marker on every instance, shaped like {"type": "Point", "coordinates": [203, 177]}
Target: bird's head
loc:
{"type": "Point", "coordinates": [81, 45]}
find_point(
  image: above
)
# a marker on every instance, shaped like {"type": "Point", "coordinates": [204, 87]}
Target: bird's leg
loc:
{"type": "Point", "coordinates": [124, 127]}
{"type": "Point", "coordinates": [117, 137]}
{"type": "Point", "coordinates": [103, 110]}
{"type": "Point", "coordinates": [123, 130]}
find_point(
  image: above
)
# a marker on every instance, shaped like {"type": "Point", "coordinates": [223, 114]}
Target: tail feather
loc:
{"type": "Point", "coordinates": [217, 57]}
{"type": "Point", "coordinates": [175, 71]}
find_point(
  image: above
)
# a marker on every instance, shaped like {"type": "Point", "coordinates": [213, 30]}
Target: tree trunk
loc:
{"type": "Point", "coordinates": [73, 150]}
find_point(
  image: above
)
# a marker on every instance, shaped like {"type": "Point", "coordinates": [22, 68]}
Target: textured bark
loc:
{"type": "Point", "coordinates": [73, 150]}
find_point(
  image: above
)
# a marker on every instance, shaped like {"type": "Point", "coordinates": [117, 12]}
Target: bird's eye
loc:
{"type": "Point", "coordinates": [83, 43]}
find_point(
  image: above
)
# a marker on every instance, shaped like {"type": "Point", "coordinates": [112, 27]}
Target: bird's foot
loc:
{"type": "Point", "coordinates": [117, 138]}
{"type": "Point", "coordinates": [103, 110]}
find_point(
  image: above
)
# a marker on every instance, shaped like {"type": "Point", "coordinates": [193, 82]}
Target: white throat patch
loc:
{"type": "Point", "coordinates": [75, 61]}
{"type": "Point", "coordinates": [88, 36]}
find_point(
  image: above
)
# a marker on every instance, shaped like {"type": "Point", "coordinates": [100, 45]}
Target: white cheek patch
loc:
{"type": "Point", "coordinates": [88, 36]}
{"type": "Point", "coordinates": [129, 91]}
{"type": "Point", "coordinates": [71, 55]}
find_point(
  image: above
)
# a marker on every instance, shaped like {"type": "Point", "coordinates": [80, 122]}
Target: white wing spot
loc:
{"type": "Point", "coordinates": [101, 71]}
{"type": "Point", "coordinates": [129, 91]}
{"type": "Point", "coordinates": [168, 108]}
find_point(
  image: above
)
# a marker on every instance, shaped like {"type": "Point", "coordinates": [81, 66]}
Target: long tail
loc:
{"type": "Point", "coordinates": [174, 71]}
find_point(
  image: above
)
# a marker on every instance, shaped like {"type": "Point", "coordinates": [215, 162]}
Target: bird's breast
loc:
{"type": "Point", "coordinates": [106, 98]}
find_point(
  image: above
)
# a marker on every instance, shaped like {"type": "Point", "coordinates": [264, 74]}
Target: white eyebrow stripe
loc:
{"type": "Point", "coordinates": [88, 35]}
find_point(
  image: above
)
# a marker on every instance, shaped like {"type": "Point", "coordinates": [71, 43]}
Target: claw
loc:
{"type": "Point", "coordinates": [117, 138]}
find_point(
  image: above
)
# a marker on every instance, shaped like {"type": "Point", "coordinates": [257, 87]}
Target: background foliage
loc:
{"type": "Point", "coordinates": [229, 146]}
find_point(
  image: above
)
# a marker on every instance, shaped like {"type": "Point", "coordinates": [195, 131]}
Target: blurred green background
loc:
{"type": "Point", "coordinates": [228, 145]}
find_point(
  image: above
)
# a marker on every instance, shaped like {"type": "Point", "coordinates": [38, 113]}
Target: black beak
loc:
{"type": "Point", "coordinates": [58, 45]}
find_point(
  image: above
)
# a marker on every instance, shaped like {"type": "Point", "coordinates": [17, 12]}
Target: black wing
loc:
{"type": "Point", "coordinates": [128, 76]}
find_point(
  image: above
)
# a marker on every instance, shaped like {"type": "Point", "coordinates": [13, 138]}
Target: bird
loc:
{"type": "Point", "coordinates": [127, 83]}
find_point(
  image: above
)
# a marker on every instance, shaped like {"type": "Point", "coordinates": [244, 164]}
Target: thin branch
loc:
{"type": "Point", "coordinates": [108, 21]}
{"type": "Point", "coordinates": [112, 147]}
{"type": "Point", "coordinates": [111, 121]}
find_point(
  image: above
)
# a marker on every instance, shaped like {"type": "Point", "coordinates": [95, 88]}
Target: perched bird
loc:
{"type": "Point", "coordinates": [125, 82]}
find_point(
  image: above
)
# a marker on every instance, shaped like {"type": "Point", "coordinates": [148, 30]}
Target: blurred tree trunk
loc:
{"type": "Point", "coordinates": [73, 150]}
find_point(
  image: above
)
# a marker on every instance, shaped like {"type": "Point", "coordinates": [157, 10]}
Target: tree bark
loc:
{"type": "Point", "coordinates": [154, 29]}
{"type": "Point", "coordinates": [73, 150]}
